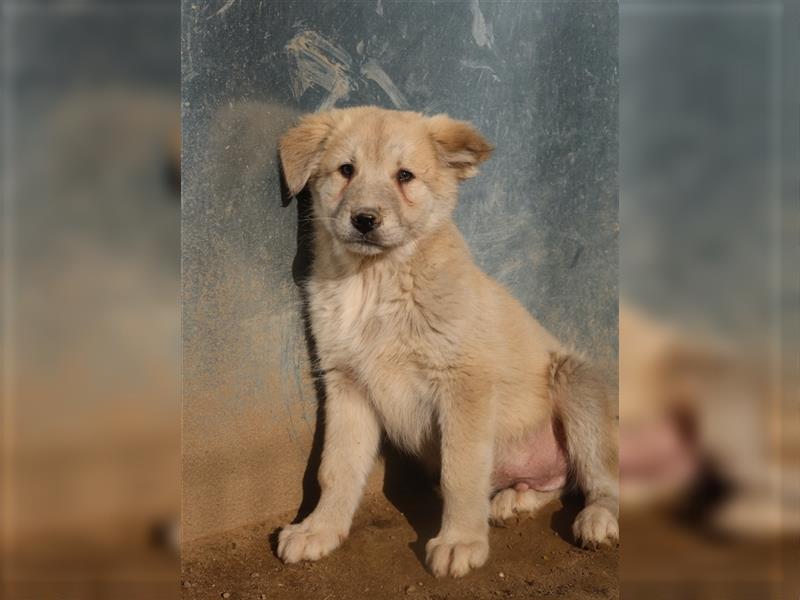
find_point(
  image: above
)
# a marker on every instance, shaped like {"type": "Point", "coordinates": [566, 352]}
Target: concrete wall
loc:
{"type": "Point", "coordinates": [538, 79]}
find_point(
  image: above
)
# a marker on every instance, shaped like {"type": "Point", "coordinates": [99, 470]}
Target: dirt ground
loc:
{"type": "Point", "coordinates": [384, 558]}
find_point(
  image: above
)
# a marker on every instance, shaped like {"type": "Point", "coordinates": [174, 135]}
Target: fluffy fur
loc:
{"type": "Point", "coordinates": [416, 341]}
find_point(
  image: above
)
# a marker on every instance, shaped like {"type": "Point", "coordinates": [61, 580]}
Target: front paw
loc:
{"type": "Point", "coordinates": [456, 555]}
{"type": "Point", "coordinates": [306, 541]}
{"type": "Point", "coordinates": [595, 526]}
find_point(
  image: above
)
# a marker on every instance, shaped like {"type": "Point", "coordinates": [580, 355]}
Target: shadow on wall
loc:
{"type": "Point", "coordinates": [301, 271]}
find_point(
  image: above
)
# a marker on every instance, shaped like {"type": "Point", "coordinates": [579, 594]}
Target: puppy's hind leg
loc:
{"type": "Point", "coordinates": [513, 505]}
{"type": "Point", "coordinates": [583, 404]}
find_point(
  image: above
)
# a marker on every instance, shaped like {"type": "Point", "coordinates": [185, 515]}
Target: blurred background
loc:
{"type": "Point", "coordinates": [709, 357]}
{"type": "Point", "coordinates": [90, 297]}
{"type": "Point", "coordinates": [709, 421]}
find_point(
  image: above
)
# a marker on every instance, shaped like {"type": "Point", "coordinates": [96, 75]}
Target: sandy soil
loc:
{"type": "Point", "coordinates": [384, 558]}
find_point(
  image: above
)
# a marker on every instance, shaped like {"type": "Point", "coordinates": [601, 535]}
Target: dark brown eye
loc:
{"type": "Point", "coordinates": [403, 176]}
{"type": "Point", "coordinates": [347, 170]}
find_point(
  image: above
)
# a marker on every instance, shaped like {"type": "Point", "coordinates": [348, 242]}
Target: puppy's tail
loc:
{"type": "Point", "coordinates": [583, 401]}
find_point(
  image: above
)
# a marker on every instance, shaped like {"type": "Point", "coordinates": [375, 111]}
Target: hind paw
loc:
{"type": "Point", "coordinates": [510, 506]}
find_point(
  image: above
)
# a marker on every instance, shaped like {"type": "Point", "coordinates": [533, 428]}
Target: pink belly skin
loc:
{"type": "Point", "coordinates": [537, 462]}
{"type": "Point", "coordinates": [657, 452]}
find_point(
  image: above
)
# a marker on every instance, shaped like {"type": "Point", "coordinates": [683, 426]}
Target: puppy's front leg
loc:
{"type": "Point", "coordinates": [352, 435]}
{"type": "Point", "coordinates": [467, 427]}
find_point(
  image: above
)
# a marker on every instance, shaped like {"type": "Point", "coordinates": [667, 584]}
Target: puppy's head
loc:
{"type": "Point", "coordinates": [380, 179]}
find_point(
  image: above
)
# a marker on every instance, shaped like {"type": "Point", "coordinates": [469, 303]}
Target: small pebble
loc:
{"type": "Point", "coordinates": [226, 594]}
{"type": "Point", "coordinates": [187, 584]}
{"type": "Point", "coordinates": [411, 589]}
{"type": "Point", "coordinates": [255, 575]}
{"type": "Point", "coordinates": [501, 575]}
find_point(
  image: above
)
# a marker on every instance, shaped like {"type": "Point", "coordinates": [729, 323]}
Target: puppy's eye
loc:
{"type": "Point", "coordinates": [347, 170]}
{"type": "Point", "coordinates": [403, 176]}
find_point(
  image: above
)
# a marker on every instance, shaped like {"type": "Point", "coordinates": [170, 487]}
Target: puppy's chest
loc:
{"type": "Point", "coordinates": [369, 319]}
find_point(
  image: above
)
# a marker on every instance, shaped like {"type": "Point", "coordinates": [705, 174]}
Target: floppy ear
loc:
{"type": "Point", "coordinates": [301, 147]}
{"type": "Point", "coordinates": [459, 145]}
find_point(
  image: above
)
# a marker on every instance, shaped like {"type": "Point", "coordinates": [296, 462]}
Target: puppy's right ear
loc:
{"type": "Point", "coordinates": [301, 147]}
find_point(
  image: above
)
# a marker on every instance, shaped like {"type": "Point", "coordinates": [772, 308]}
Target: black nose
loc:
{"type": "Point", "coordinates": [365, 221]}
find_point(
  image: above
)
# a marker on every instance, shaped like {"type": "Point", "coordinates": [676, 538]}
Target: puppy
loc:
{"type": "Point", "coordinates": [415, 341]}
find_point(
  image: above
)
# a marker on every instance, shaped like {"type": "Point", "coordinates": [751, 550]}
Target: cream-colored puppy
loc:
{"type": "Point", "coordinates": [416, 341]}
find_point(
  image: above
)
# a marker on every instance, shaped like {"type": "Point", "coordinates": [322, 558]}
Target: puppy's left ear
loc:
{"type": "Point", "coordinates": [459, 145]}
{"type": "Point", "coordinates": [301, 147]}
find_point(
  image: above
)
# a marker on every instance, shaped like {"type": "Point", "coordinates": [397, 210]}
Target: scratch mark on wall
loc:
{"type": "Point", "coordinates": [225, 8]}
{"type": "Point", "coordinates": [190, 73]}
{"type": "Point", "coordinates": [473, 65]}
{"type": "Point", "coordinates": [576, 256]}
{"type": "Point", "coordinates": [379, 8]}
{"type": "Point", "coordinates": [481, 32]}
{"type": "Point", "coordinates": [372, 70]}
{"type": "Point", "coordinates": [316, 61]}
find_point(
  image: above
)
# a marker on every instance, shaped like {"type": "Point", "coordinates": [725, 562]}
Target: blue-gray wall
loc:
{"type": "Point", "coordinates": [539, 79]}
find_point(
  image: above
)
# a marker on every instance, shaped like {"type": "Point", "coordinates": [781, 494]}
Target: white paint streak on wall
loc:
{"type": "Point", "coordinates": [481, 32]}
{"type": "Point", "coordinates": [225, 8]}
{"type": "Point", "coordinates": [316, 61]}
{"type": "Point", "coordinates": [379, 8]}
{"type": "Point", "coordinates": [372, 70]}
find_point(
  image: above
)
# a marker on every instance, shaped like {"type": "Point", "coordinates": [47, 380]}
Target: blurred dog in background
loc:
{"type": "Point", "coordinates": [703, 431]}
